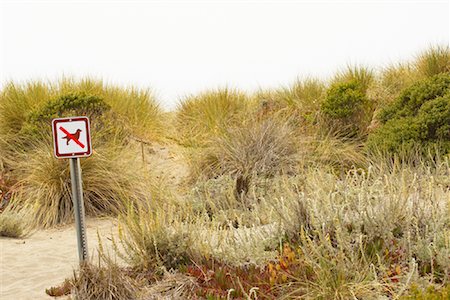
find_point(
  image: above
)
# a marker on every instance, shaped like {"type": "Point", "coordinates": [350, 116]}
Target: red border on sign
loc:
{"type": "Point", "coordinates": [86, 153]}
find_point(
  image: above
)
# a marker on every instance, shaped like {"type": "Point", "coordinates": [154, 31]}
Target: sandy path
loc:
{"type": "Point", "coordinates": [28, 266]}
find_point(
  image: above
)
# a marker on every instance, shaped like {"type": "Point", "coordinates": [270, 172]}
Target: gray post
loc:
{"type": "Point", "coordinates": [78, 205]}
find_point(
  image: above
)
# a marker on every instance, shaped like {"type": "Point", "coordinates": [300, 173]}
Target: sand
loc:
{"type": "Point", "coordinates": [44, 259]}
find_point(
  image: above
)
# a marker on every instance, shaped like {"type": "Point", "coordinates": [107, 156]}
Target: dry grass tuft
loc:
{"type": "Point", "coordinates": [433, 61]}
{"type": "Point", "coordinates": [108, 282]}
{"type": "Point", "coordinates": [204, 116]}
{"type": "Point", "coordinates": [12, 224]}
{"type": "Point", "coordinates": [44, 188]}
{"type": "Point", "coordinates": [363, 76]}
{"type": "Point", "coordinates": [174, 286]}
{"type": "Point", "coordinates": [256, 149]}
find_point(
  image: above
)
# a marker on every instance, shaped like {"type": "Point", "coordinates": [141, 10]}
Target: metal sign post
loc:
{"type": "Point", "coordinates": [78, 205]}
{"type": "Point", "coordinates": [72, 140]}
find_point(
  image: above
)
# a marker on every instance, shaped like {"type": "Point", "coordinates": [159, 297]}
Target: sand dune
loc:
{"type": "Point", "coordinates": [28, 266]}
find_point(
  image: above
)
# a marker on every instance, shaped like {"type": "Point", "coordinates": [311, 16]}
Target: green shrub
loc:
{"type": "Point", "coordinates": [346, 105]}
{"type": "Point", "coordinates": [396, 136]}
{"type": "Point", "coordinates": [72, 104]}
{"type": "Point", "coordinates": [343, 100]}
{"type": "Point", "coordinates": [411, 100]}
{"type": "Point", "coordinates": [434, 117]}
{"type": "Point", "coordinates": [103, 121]}
{"type": "Point", "coordinates": [419, 118]}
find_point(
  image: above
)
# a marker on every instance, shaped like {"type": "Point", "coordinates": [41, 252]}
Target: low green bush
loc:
{"type": "Point", "coordinates": [72, 104]}
{"type": "Point", "coordinates": [412, 99]}
{"type": "Point", "coordinates": [346, 106]}
{"type": "Point", "coordinates": [418, 120]}
{"type": "Point", "coordinates": [107, 127]}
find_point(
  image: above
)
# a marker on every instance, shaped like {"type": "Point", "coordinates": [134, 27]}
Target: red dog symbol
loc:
{"type": "Point", "coordinates": [72, 136]}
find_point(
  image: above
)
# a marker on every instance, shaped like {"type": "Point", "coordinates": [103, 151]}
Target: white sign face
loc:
{"type": "Point", "coordinates": [71, 137]}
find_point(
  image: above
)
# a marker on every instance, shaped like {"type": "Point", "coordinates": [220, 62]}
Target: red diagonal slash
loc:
{"type": "Point", "coordinates": [71, 137]}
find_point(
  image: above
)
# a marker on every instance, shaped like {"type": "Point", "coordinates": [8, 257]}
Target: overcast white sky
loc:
{"type": "Point", "coordinates": [182, 47]}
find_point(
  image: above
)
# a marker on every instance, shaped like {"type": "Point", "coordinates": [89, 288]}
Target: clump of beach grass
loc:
{"type": "Point", "coordinates": [44, 187]}
{"type": "Point", "coordinates": [13, 225]}
{"type": "Point", "coordinates": [433, 61]}
{"type": "Point", "coordinates": [263, 148]}
{"type": "Point", "coordinates": [363, 76]}
{"type": "Point", "coordinates": [105, 281]}
{"type": "Point", "coordinates": [300, 101]}
{"type": "Point", "coordinates": [203, 116]}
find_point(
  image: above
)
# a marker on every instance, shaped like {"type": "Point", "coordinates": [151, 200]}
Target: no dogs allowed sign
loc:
{"type": "Point", "coordinates": [71, 137]}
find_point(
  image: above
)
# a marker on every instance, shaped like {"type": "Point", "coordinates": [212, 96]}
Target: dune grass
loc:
{"type": "Point", "coordinates": [206, 115]}
{"type": "Point", "coordinates": [138, 108]}
{"type": "Point", "coordinates": [105, 281]}
{"type": "Point", "coordinates": [13, 225]}
{"type": "Point", "coordinates": [363, 76]}
{"type": "Point", "coordinates": [299, 102]}
{"type": "Point", "coordinates": [256, 148]}
{"type": "Point", "coordinates": [433, 61]}
{"type": "Point", "coordinates": [44, 190]}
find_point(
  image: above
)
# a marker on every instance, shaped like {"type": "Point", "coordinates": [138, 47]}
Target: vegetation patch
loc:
{"type": "Point", "coordinates": [347, 106]}
{"type": "Point", "coordinates": [204, 116]}
{"type": "Point", "coordinates": [256, 149]}
{"type": "Point", "coordinates": [283, 200]}
{"type": "Point", "coordinates": [114, 172]}
{"type": "Point", "coordinates": [420, 116]}
{"type": "Point", "coordinates": [12, 225]}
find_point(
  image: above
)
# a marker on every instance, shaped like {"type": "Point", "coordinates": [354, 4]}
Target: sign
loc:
{"type": "Point", "coordinates": [71, 137]}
